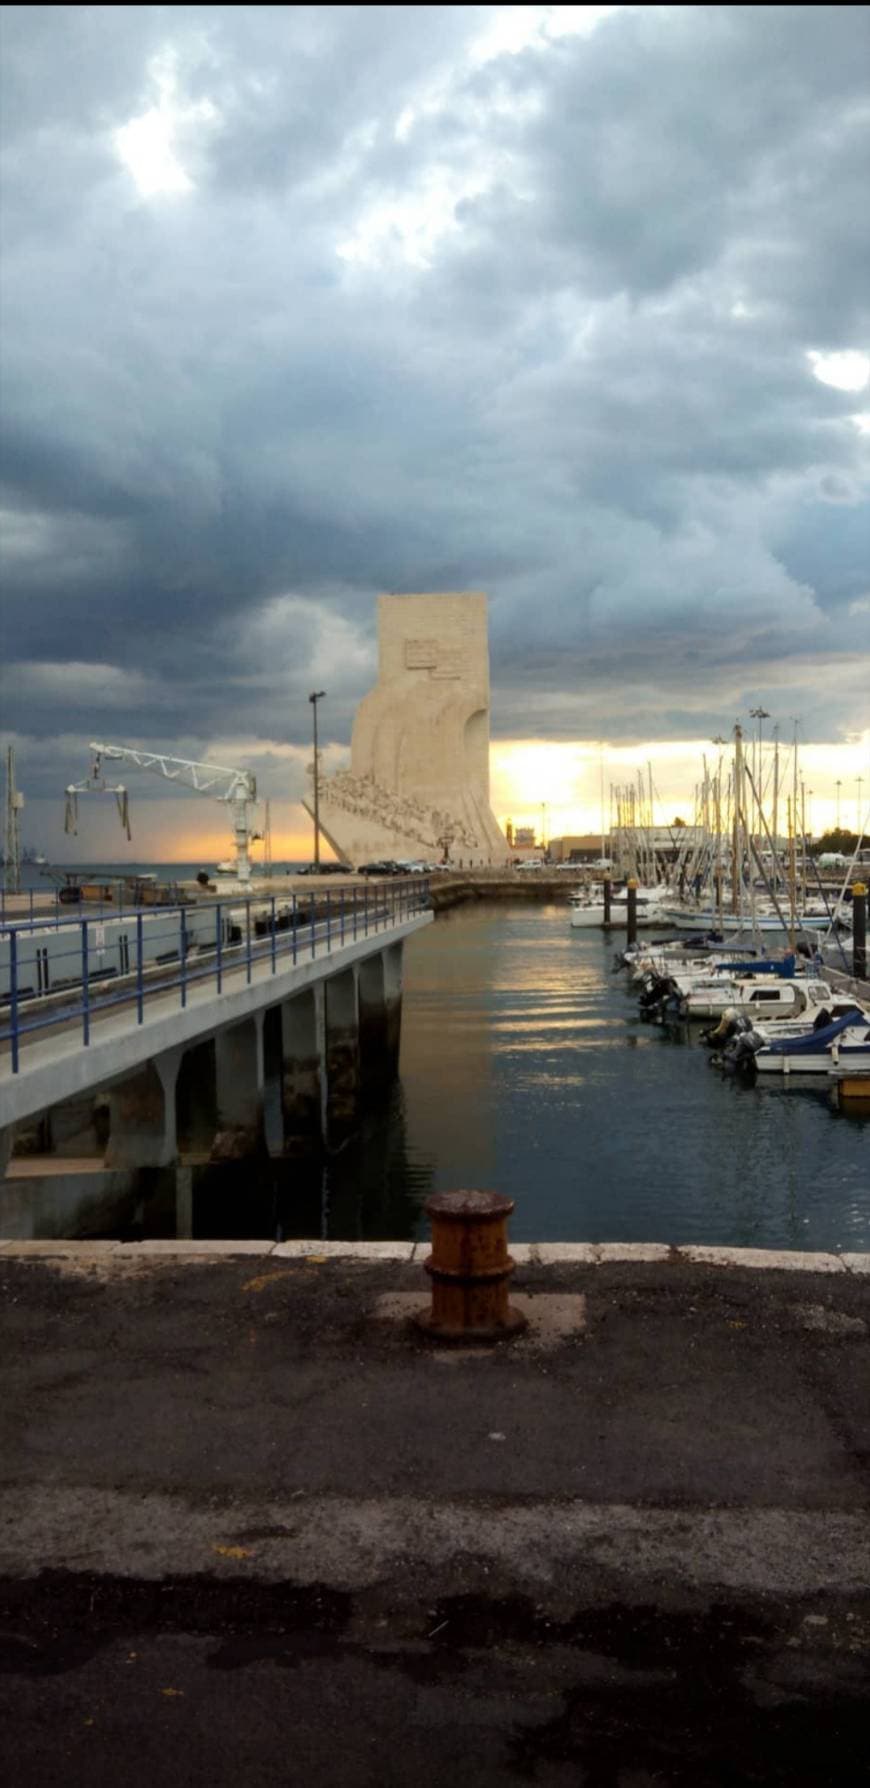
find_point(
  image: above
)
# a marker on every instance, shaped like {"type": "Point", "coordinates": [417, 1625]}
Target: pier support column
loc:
{"type": "Point", "coordinates": [142, 1127]}
{"type": "Point", "coordinates": [341, 1006]}
{"type": "Point", "coordinates": [195, 1101]}
{"type": "Point", "coordinates": [239, 1091]}
{"type": "Point", "coordinates": [631, 888]}
{"type": "Point", "coordinates": [303, 1069]}
{"type": "Point", "coordinates": [392, 961]}
{"type": "Point", "coordinates": [608, 890]}
{"type": "Point", "coordinates": [7, 1139]}
{"type": "Point", "coordinates": [273, 1077]}
{"type": "Point", "coordinates": [375, 1065]}
{"type": "Point", "coordinates": [859, 931]}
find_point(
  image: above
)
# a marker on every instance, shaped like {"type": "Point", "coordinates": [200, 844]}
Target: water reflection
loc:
{"type": "Point", "coordinates": [371, 1190]}
{"type": "Point", "coordinates": [643, 1141]}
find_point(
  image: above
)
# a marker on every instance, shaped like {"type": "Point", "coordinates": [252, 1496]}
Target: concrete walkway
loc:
{"type": "Point", "coordinates": [253, 1529]}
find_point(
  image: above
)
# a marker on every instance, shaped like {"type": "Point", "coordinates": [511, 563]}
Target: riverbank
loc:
{"type": "Point", "coordinates": [248, 1514]}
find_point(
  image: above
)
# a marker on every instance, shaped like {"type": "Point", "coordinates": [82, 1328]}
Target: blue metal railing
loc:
{"type": "Point", "coordinates": [81, 972]}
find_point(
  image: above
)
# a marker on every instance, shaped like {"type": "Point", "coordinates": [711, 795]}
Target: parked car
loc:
{"type": "Point", "coordinates": [383, 866]}
{"type": "Point", "coordinates": [323, 869]}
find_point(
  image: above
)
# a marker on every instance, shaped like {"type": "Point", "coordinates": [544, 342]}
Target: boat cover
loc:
{"type": "Point", "coordinates": [815, 1041]}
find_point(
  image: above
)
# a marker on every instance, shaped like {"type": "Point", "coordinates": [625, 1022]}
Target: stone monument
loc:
{"type": "Point", "coordinates": [418, 782]}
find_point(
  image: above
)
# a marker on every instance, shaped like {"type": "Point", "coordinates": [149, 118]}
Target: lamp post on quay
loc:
{"type": "Point", "coordinates": [314, 698]}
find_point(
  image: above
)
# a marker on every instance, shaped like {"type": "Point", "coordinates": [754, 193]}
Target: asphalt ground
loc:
{"type": "Point", "coordinates": [254, 1530]}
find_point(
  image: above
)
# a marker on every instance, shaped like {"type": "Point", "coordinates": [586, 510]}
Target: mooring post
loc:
{"type": "Point", "coordinates": [631, 890]}
{"type": "Point", "coordinates": [470, 1268]}
{"type": "Point", "coordinates": [608, 890]}
{"type": "Point", "coordinates": [859, 931]}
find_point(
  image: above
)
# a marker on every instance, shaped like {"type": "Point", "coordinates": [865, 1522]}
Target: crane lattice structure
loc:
{"type": "Point", "coordinates": [237, 788]}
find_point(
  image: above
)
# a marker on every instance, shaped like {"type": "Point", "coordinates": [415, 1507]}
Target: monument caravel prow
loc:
{"type": "Point", "coordinates": [418, 781]}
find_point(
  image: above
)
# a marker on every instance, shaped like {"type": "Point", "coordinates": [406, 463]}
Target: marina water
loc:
{"type": "Point", "coordinates": [525, 1068]}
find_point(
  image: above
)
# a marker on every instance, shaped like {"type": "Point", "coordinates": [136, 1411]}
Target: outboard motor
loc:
{"type": "Point", "coordinates": [739, 1055]}
{"type": "Point", "coordinates": [730, 1025]}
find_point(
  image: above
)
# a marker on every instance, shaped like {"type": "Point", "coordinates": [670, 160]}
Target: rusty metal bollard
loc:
{"type": "Point", "coordinates": [470, 1268]}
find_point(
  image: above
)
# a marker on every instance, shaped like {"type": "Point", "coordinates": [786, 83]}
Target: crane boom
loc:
{"type": "Point", "coordinates": [238, 787]}
{"type": "Point", "coordinates": [207, 779]}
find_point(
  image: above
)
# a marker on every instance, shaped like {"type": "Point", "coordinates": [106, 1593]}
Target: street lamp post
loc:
{"type": "Point", "coordinates": [839, 786]}
{"type": "Point", "coordinates": [314, 698]}
{"type": "Point", "coordinates": [759, 714]}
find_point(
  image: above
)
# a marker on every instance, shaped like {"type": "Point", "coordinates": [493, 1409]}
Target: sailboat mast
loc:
{"type": "Point", "coordinates": [775, 796]}
{"type": "Point", "coordinates": [736, 862]}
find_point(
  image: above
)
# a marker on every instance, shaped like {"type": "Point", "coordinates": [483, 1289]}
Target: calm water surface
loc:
{"type": "Point", "coordinates": [525, 1068]}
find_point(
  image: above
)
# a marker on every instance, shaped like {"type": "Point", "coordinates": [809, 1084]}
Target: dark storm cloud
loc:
{"type": "Point", "coordinates": [426, 318]}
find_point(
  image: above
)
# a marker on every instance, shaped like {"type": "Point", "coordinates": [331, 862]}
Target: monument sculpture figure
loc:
{"type": "Point", "coordinates": [419, 769]}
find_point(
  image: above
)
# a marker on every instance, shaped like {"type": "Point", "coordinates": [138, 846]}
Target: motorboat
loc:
{"type": "Point", "coordinates": [842, 1046]}
{"type": "Point", "coordinates": [762, 997]}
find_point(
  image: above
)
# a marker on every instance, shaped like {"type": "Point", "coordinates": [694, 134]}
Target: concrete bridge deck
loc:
{"type": "Point", "coordinates": [54, 1065]}
{"type": "Point", "coordinates": [252, 1528]}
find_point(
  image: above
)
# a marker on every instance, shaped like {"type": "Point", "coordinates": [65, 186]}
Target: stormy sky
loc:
{"type": "Point", "coordinates": [569, 304]}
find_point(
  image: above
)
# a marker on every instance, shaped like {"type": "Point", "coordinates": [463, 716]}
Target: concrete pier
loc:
{"type": "Point", "coordinates": [279, 1062]}
{"type": "Point", "coordinates": [253, 1524]}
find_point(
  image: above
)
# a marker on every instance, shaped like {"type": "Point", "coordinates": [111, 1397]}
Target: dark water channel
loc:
{"type": "Point", "coordinates": [525, 1068]}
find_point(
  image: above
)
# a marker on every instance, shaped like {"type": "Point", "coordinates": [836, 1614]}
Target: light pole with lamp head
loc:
{"type": "Point", "coordinates": [314, 698]}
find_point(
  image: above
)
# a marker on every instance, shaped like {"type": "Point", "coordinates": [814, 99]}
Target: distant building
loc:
{"type": "Point", "coordinates": [524, 837]}
{"type": "Point", "coordinates": [580, 848]}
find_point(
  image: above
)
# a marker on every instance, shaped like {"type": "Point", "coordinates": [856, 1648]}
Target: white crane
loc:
{"type": "Point", "coordinates": [236, 787]}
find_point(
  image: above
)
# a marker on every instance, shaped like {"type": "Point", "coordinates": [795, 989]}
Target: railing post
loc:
{"type": "Point", "coordinates": [13, 994]}
{"type": "Point", "coordinates": [182, 956]}
{"type": "Point", "coordinates": [86, 991]}
{"type": "Point", "coordinates": [313, 912]}
{"type": "Point", "coordinates": [140, 986]}
{"type": "Point", "coordinates": [354, 892]}
{"type": "Point", "coordinates": [294, 926]}
{"type": "Point", "coordinates": [219, 939]}
{"type": "Point", "coordinates": [248, 939]}
{"type": "Point", "coordinates": [328, 924]}
{"type": "Point", "coordinates": [366, 908]}
{"type": "Point", "coordinates": [31, 906]}
{"type": "Point", "coordinates": [341, 914]}
{"type": "Point", "coordinates": [274, 936]}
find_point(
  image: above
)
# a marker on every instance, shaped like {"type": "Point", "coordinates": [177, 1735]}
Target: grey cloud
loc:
{"type": "Point", "coordinates": [208, 413]}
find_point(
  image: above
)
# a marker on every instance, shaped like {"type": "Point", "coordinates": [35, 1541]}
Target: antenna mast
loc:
{"type": "Point", "coordinates": [12, 846]}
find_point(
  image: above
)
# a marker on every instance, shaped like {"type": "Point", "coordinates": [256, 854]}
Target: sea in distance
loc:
{"type": "Point", "coordinates": [525, 1068]}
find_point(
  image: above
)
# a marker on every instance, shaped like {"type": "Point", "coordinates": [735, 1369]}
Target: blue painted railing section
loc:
{"type": "Point", "coordinates": [246, 932]}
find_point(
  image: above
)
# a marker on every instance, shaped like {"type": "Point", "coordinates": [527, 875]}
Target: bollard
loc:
{"type": "Point", "coordinates": [859, 931]}
{"type": "Point", "coordinates": [470, 1268]}
{"type": "Point", "coordinates": [631, 889]}
{"type": "Point", "coordinates": [608, 890]}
